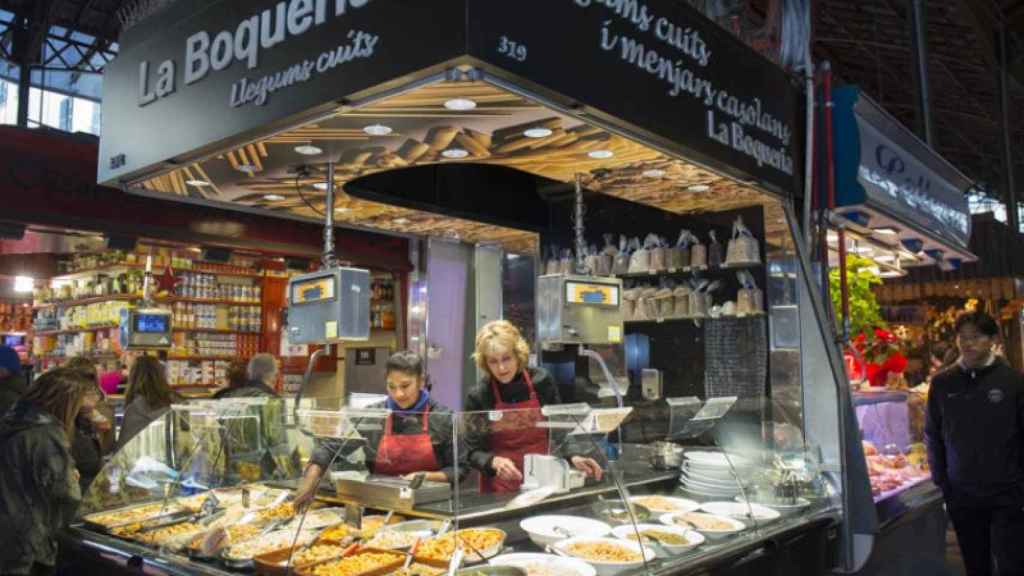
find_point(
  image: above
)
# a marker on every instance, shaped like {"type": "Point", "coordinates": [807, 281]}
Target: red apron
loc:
{"type": "Point", "coordinates": [400, 454]}
{"type": "Point", "coordinates": [515, 435]}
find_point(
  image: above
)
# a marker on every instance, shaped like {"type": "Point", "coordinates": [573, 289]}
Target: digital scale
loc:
{"type": "Point", "coordinates": [330, 305]}
{"type": "Point", "coordinates": [145, 328]}
{"type": "Point", "coordinates": [577, 309]}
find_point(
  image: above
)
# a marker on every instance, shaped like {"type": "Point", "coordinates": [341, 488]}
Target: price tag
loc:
{"type": "Point", "coordinates": [405, 493]}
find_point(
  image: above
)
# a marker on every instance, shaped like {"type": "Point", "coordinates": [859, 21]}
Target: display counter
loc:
{"type": "Point", "coordinates": [205, 489]}
{"type": "Point", "coordinates": [909, 506]}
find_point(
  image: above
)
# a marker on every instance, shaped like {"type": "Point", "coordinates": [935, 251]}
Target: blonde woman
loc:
{"type": "Point", "coordinates": [39, 489]}
{"type": "Point", "coordinates": [497, 446]}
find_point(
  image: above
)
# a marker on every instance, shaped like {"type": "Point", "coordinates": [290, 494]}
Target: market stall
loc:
{"type": "Point", "coordinates": [684, 130]}
{"type": "Point", "coordinates": [898, 208]}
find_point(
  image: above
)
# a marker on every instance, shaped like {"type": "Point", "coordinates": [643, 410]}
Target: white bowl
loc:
{"type": "Point", "coordinates": [606, 568]}
{"type": "Point", "coordinates": [562, 565]}
{"type": "Point", "coordinates": [709, 485]}
{"type": "Point", "coordinates": [737, 526]}
{"type": "Point", "coordinates": [672, 504]}
{"type": "Point", "coordinates": [741, 511]}
{"type": "Point", "coordinates": [541, 529]}
{"type": "Point", "coordinates": [694, 538]}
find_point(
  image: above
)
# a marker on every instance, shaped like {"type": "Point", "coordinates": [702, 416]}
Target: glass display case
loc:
{"type": "Point", "coordinates": [643, 484]}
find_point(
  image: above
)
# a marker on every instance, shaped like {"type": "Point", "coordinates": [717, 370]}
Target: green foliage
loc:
{"type": "Point", "coordinates": [865, 314]}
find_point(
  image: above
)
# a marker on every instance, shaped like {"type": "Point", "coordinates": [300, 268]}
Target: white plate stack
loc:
{"type": "Point", "coordinates": [713, 474]}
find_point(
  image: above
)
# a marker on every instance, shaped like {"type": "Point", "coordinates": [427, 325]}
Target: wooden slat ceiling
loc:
{"type": "Point", "coordinates": [422, 130]}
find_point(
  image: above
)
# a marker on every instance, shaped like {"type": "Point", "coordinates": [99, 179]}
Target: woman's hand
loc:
{"type": "Point", "coordinates": [588, 466]}
{"type": "Point", "coordinates": [506, 469]}
{"type": "Point", "coordinates": [428, 476]}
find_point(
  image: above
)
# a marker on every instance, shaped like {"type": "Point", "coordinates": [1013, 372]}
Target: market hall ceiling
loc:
{"type": "Point", "coordinates": [286, 172]}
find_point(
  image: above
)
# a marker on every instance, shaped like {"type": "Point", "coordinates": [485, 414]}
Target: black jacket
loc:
{"type": "Point", "coordinates": [252, 389]}
{"type": "Point", "coordinates": [11, 388]}
{"type": "Point", "coordinates": [975, 430]}
{"type": "Point", "coordinates": [87, 452]}
{"type": "Point", "coordinates": [481, 399]}
{"type": "Point", "coordinates": [38, 491]}
{"type": "Point", "coordinates": [439, 426]}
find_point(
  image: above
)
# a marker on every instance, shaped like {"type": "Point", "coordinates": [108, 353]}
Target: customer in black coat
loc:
{"type": "Point", "coordinates": [975, 436]}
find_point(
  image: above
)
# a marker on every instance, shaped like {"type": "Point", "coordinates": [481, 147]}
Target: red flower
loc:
{"type": "Point", "coordinates": [895, 363]}
{"type": "Point", "coordinates": [884, 335]}
{"type": "Point", "coordinates": [876, 375]}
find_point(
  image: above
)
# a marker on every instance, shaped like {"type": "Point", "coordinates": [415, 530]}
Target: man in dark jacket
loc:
{"type": "Point", "coordinates": [262, 376]}
{"type": "Point", "coordinates": [12, 381]}
{"type": "Point", "coordinates": [975, 437]}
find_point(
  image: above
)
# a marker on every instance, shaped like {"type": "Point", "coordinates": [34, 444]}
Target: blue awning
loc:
{"type": "Point", "coordinates": [887, 178]}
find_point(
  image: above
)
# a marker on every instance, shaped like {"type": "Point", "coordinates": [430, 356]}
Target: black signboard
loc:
{"type": "Point", "coordinates": [203, 76]}
{"type": "Point", "coordinates": [203, 72]}
{"type": "Point", "coordinates": [656, 65]}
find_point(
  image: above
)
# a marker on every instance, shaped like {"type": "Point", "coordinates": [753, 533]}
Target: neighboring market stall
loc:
{"type": "Point", "coordinates": [898, 208]}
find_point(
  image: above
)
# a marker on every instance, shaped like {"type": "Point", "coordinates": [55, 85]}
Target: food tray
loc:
{"type": "Point", "coordinates": [276, 563]}
{"type": "Point", "coordinates": [380, 571]}
{"type": "Point", "coordinates": [470, 555]}
{"type": "Point", "coordinates": [91, 522]}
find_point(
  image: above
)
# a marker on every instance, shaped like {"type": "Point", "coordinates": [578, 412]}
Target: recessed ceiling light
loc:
{"type": "Point", "coordinates": [460, 104]}
{"type": "Point", "coordinates": [320, 185]}
{"type": "Point", "coordinates": [512, 256]}
{"type": "Point", "coordinates": [342, 209]}
{"type": "Point", "coordinates": [537, 133]}
{"type": "Point", "coordinates": [887, 231]}
{"type": "Point", "coordinates": [199, 183]}
{"type": "Point", "coordinates": [601, 154]}
{"type": "Point", "coordinates": [653, 173]}
{"type": "Point", "coordinates": [247, 168]}
{"type": "Point", "coordinates": [455, 153]}
{"type": "Point", "coordinates": [400, 221]}
{"type": "Point", "coordinates": [698, 188]}
{"type": "Point", "coordinates": [273, 197]}
{"type": "Point", "coordinates": [378, 130]}
{"type": "Point", "coordinates": [308, 150]}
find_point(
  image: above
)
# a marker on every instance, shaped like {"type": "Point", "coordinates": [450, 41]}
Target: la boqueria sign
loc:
{"type": "Point", "coordinates": [880, 165]}
{"type": "Point", "coordinates": [202, 76]}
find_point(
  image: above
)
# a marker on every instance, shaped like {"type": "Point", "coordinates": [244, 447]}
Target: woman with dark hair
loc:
{"type": "Point", "coordinates": [94, 428]}
{"type": "Point", "coordinates": [148, 397]}
{"type": "Point", "coordinates": [416, 437]}
{"type": "Point", "coordinates": [39, 489]}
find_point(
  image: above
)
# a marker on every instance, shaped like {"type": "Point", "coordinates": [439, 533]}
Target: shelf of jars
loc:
{"type": "Point", "coordinates": [58, 332]}
{"type": "Point", "coordinates": [87, 301]}
{"type": "Point", "coordinates": [84, 264]}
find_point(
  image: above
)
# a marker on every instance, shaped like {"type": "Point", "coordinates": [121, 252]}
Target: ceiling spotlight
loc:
{"type": "Point", "coordinates": [400, 221]}
{"type": "Point", "coordinates": [600, 154]}
{"type": "Point", "coordinates": [698, 188]}
{"type": "Point", "coordinates": [198, 183]}
{"type": "Point", "coordinates": [273, 197]}
{"type": "Point", "coordinates": [320, 185]}
{"type": "Point", "coordinates": [455, 153]}
{"type": "Point", "coordinates": [247, 168]}
{"type": "Point", "coordinates": [654, 173]}
{"type": "Point", "coordinates": [342, 209]}
{"type": "Point", "coordinates": [308, 150]}
{"type": "Point", "coordinates": [537, 133]}
{"type": "Point", "coordinates": [887, 231]}
{"type": "Point", "coordinates": [378, 130]}
{"type": "Point", "coordinates": [460, 104]}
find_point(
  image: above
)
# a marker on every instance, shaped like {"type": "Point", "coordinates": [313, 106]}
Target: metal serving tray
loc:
{"type": "Point", "coordinates": [391, 493]}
